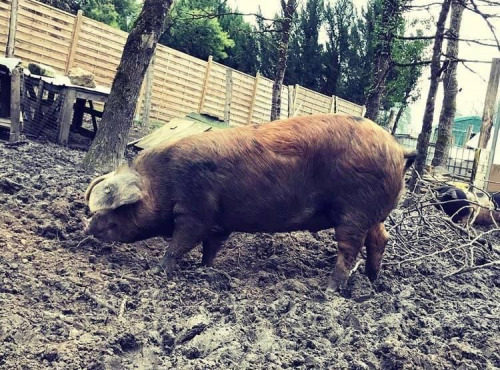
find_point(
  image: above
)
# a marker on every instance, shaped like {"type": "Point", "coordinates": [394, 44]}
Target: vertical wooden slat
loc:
{"type": "Point", "coordinates": [332, 105]}
{"type": "Point", "coordinates": [148, 94]}
{"type": "Point", "coordinates": [229, 95]}
{"type": "Point", "coordinates": [66, 115]}
{"type": "Point", "coordinates": [291, 92]}
{"type": "Point", "coordinates": [15, 105]}
{"type": "Point", "coordinates": [205, 84]}
{"type": "Point", "coordinates": [11, 41]}
{"type": "Point", "coordinates": [74, 40]}
{"type": "Point", "coordinates": [254, 95]}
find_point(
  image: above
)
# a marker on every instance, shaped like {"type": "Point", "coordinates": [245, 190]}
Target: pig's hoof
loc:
{"type": "Point", "coordinates": [337, 284]}
{"type": "Point", "coordinates": [372, 273]}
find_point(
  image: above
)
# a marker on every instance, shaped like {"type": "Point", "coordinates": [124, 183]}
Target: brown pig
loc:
{"type": "Point", "coordinates": [304, 173]}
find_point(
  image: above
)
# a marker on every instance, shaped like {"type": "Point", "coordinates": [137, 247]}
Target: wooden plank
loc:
{"type": "Point", "coordinates": [27, 56]}
{"type": "Point", "coordinates": [96, 44]}
{"type": "Point", "coordinates": [254, 95]}
{"type": "Point", "coordinates": [12, 29]}
{"type": "Point", "coordinates": [148, 93]}
{"type": "Point", "coordinates": [229, 94]}
{"type": "Point", "coordinates": [15, 105]}
{"type": "Point", "coordinates": [489, 104]}
{"type": "Point", "coordinates": [74, 40]}
{"type": "Point", "coordinates": [29, 39]}
{"type": "Point", "coordinates": [66, 116]}
{"type": "Point", "coordinates": [45, 22]}
{"type": "Point", "coordinates": [88, 95]}
{"type": "Point", "coordinates": [48, 10]}
{"type": "Point", "coordinates": [205, 84]}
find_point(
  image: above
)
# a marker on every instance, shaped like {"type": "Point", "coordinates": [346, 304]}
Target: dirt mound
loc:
{"type": "Point", "coordinates": [68, 301]}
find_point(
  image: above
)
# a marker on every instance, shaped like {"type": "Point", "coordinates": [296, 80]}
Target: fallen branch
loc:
{"type": "Point", "coordinates": [99, 301]}
{"type": "Point", "coordinates": [474, 268]}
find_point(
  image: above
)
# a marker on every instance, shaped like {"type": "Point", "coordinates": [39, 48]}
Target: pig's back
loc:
{"type": "Point", "coordinates": [302, 173]}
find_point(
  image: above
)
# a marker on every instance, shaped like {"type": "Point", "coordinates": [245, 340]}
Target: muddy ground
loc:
{"type": "Point", "coordinates": [70, 302]}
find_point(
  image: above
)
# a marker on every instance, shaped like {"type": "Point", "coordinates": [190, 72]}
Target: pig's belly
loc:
{"type": "Point", "coordinates": [282, 218]}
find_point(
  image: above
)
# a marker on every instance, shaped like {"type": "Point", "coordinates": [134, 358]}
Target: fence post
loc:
{"type": "Point", "coordinates": [205, 84]}
{"type": "Point", "coordinates": [493, 147]}
{"type": "Point", "coordinates": [254, 95]}
{"type": "Point", "coordinates": [290, 100]}
{"type": "Point", "coordinates": [333, 104]}
{"type": "Point", "coordinates": [15, 105]}
{"type": "Point", "coordinates": [467, 136]}
{"type": "Point", "coordinates": [148, 93]}
{"type": "Point", "coordinates": [74, 40]}
{"type": "Point", "coordinates": [11, 41]}
{"type": "Point", "coordinates": [487, 122]}
{"type": "Point", "coordinates": [295, 93]}
{"type": "Point", "coordinates": [229, 95]}
{"type": "Point", "coordinates": [363, 110]}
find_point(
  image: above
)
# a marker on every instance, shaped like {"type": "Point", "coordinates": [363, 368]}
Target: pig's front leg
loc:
{"type": "Point", "coordinates": [211, 245]}
{"type": "Point", "coordinates": [188, 232]}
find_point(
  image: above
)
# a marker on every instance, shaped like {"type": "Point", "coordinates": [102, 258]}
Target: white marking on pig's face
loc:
{"type": "Point", "coordinates": [114, 190]}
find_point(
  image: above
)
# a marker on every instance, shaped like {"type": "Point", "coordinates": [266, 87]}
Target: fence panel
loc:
{"type": "Point", "coordinates": [241, 98]}
{"type": "Point", "coordinates": [215, 97]}
{"type": "Point", "coordinates": [347, 107]}
{"type": "Point", "coordinates": [177, 84]}
{"type": "Point", "coordinates": [99, 50]}
{"type": "Point", "coordinates": [4, 23]}
{"type": "Point", "coordinates": [262, 103]}
{"type": "Point", "coordinates": [45, 35]}
{"type": "Point", "coordinates": [311, 102]}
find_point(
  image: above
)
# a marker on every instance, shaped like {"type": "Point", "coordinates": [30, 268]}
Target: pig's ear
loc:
{"type": "Point", "coordinates": [115, 191]}
{"type": "Point", "coordinates": [94, 183]}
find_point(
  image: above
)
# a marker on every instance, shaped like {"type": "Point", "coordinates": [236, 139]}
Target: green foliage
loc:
{"type": "Point", "coordinates": [402, 81]}
{"type": "Point", "coordinates": [193, 27]}
{"type": "Point", "coordinates": [116, 13]}
{"type": "Point", "coordinates": [305, 61]}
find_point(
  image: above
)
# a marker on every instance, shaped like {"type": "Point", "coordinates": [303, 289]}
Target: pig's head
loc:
{"type": "Point", "coordinates": [114, 201]}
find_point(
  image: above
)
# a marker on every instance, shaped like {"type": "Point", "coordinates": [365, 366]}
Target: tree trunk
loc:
{"type": "Point", "coordinates": [450, 85]}
{"type": "Point", "coordinates": [391, 14]}
{"type": "Point", "coordinates": [398, 117]}
{"type": "Point", "coordinates": [425, 134]}
{"type": "Point", "coordinates": [288, 10]}
{"type": "Point", "coordinates": [108, 147]}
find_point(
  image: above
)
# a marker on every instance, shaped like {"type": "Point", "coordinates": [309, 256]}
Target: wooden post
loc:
{"type": "Point", "coordinates": [489, 104]}
{"type": "Point", "coordinates": [333, 104]}
{"type": "Point", "coordinates": [66, 115]}
{"type": "Point", "coordinates": [11, 41]}
{"type": "Point", "coordinates": [148, 94]}
{"type": "Point", "coordinates": [487, 122]}
{"type": "Point", "coordinates": [229, 95]}
{"type": "Point", "coordinates": [254, 95]}
{"type": "Point", "coordinates": [74, 40]}
{"type": "Point", "coordinates": [15, 105]}
{"type": "Point", "coordinates": [363, 110]}
{"type": "Point", "coordinates": [295, 93]}
{"type": "Point", "coordinates": [491, 159]}
{"type": "Point", "coordinates": [205, 84]}
{"type": "Point", "coordinates": [467, 136]}
{"type": "Point", "coordinates": [290, 100]}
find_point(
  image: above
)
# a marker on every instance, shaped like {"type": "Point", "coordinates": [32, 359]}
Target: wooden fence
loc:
{"type": "Point", "coordinates": [180, 83]}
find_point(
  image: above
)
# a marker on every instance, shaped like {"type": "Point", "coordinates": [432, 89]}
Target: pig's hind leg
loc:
{"type": "Point", "coordinates": [212, 245]}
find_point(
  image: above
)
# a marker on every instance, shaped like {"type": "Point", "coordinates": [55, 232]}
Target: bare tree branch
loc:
{"type": "Point", "coordinates": [485, 17]}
